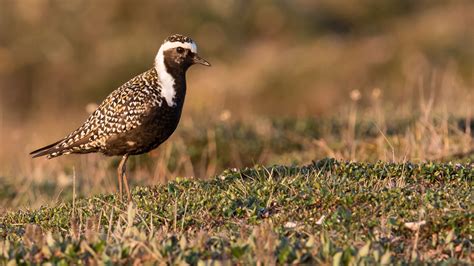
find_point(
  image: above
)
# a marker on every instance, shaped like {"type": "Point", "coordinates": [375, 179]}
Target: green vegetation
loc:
{"type": "Point", "coordinates": [326, 211]}
{"type": "Point", "coordinates": [207, 149]}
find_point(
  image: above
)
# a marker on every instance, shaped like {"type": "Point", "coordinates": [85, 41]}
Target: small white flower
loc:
{"type": "Point", "coordinates": [290, 225]}
{"type": "Point", "coordinates": [355, 95]}
{"type": "Point", "coordinates": [376, 93]}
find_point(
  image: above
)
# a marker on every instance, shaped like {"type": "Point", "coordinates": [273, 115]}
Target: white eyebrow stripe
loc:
{"type": "Point", "coordinates": [170, 45]}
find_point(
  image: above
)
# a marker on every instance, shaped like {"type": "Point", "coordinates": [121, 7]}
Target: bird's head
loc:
{"type": "Point", "coordinates": [179, 52]}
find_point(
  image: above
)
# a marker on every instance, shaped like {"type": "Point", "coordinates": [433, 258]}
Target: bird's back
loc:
{"type": "Point", "coordinates": [123, 120]}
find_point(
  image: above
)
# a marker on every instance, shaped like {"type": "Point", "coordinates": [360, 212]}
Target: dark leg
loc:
{"type": "Point", "coordinates": [121, 172]}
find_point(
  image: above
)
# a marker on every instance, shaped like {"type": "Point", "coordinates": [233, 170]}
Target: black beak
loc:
{"type": "Point", "coordinates": [198, 60]}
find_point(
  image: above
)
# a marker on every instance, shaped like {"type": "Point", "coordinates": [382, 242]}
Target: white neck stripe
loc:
{"type": "Point", "coordinates": [166, 80]}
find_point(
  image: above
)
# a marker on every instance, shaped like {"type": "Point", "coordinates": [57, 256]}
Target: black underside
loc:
{"type": "Point", "coordinates": [157, 127]}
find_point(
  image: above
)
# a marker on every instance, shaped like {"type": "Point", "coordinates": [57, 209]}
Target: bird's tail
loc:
{"type": "Point", "coordinates": [46, 150]}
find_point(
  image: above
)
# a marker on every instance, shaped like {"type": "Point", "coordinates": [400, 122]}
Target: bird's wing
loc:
{"type": "Point", "coordinates": [123, 110]}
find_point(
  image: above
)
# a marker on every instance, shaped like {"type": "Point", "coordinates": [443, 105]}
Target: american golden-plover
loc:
{"type": "Point", "coordinates": [138, 116]}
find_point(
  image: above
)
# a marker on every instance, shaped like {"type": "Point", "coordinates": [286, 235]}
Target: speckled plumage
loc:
{"type": "Point", "coordinates": [122, 111]}
{"type": "Point", "coordinates": [179, 38]}
{"type": "Point", "coordinates": [139, 115]}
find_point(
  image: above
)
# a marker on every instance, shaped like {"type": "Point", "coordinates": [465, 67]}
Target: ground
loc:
{"type": "Point", "coordinates": [324, 211]}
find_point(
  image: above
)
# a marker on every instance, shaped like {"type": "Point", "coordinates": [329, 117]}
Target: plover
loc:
{"type": "Point", "coordinates": [138, 116]}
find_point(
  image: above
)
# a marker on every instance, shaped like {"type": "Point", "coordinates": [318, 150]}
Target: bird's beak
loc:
{"type": "Point", "coordinates": [198, 60]}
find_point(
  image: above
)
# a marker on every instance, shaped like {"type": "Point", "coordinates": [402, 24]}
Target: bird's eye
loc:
{"type": "Point", "coordinates": [180, 50]}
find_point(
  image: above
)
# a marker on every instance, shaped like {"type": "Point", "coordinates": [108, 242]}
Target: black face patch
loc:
{"type": "Point", "coordinates": [178, 58]}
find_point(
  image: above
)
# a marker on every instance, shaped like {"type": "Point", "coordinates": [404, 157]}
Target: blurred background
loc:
{"type": "Point", "coordinates": [270, 59]}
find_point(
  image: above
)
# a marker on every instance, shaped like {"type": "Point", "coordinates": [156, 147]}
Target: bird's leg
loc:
{"type": "Point", "coordinates": [125, 181]}
{"type": "Point", "coordinates": [120, 173]}
{"type": "Point", "coordinates": [119, 177]}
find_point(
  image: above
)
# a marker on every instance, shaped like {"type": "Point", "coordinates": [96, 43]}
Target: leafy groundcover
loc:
{"type": "Point", "coordinates": [326, 212]}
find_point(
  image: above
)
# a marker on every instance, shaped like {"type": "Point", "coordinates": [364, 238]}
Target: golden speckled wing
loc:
{"type": "Point", "coordinates": [122, 111]}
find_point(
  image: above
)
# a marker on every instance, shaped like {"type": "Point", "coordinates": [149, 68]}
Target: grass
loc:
{"type": "Point", "coordinates": [325, 212]}
{"type": "Point", "coordinates": [205, 150]}
{"type": "Point", "coordinates": [399, 192]}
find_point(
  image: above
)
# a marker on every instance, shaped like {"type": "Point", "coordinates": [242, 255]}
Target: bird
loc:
{"type": "Point", "coordinates": [139, 115]}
